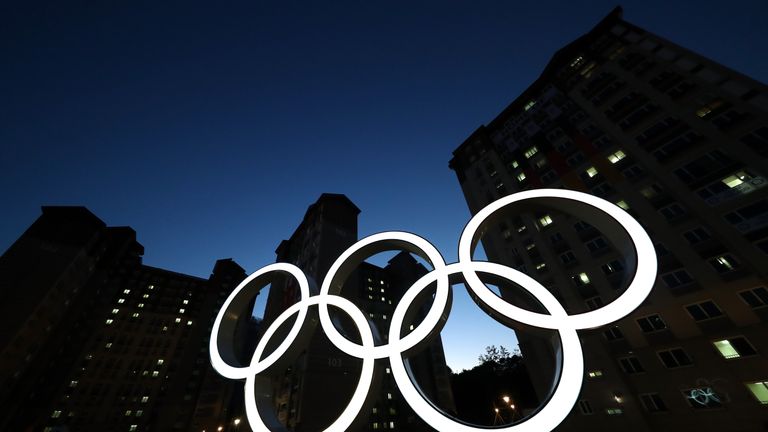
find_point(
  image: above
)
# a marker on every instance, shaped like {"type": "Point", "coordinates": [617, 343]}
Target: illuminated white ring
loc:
{"type": "Point", "coordinates": [570, 377]}
{"type": "Point", "coordinates": [254, 282]}
{"type": "Point", "coordinates": [635, 294]}
{"type": "Point", "coordinates": [349, 414]}
{"type": "Point", "coordinates": [365, 248]}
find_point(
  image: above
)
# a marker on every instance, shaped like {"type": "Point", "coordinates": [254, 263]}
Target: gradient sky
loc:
{"type": "Point", "coordinates": [210, 128]}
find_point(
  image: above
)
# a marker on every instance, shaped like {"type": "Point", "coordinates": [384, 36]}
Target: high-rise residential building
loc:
{"type": "Point", "coordinates": [301, 394]}
{"type": "Point", "coordinates": [680, 142]}
{"type": "Point", "coordinates": [93, 340]}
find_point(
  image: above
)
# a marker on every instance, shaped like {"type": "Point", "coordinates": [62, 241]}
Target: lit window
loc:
{"type": "Point", "coordinates": [374, 410]}
{"type": "Point", "coordinates": [540, 266]}
{"type": "Point", "coordinates": [178, 320]}
{"type": "Point", "coordinates": [165, 328]}
{"type": "Point", "coordinates": [383, 299]}
{"type": "Point", "coordinates": [529, 105]}
{"type": "Point", "coordinates": [141, 305]}
{"type": "Point", "coordinates": [531, 151]}
{"type": "Point", "coordinates": [73, 383]}
{"type": "Point", "coordinates": [133, 428]}
{"type": "Point", "coordinates": [151, 287]}
{"type": "Point", "coordinates": [155, 374]}
{"type": "Point", "coordinates": [139, 413]}
{"type": "Point", "coordinates": [110, 321]}
{"type": "Point", "coordinates": [108, 345]}
{"type": "Point", "coordinates": [145, 296]}
{"type": "Point", "coordinates": [144, 399]}
{"type": "Point", "coordinates": [189, 323]}
{"type": "Point", "coordinates": [723, 263]}
{"type": "Point", "coordinates": [56, 414]}
{"type": "Point", "coordinates": [160, 361]}
{"type": "Point", "coordinates": [135, 315]}
{"type": "Point", "coordinates": [185, 301]}
{"type": "Point", "coordinates": [545, 220]}
{"type": "Point", "coordinates": [583, 278]}
{"type": "Point", "coordinates": [623, 204]}
{"type": "Point", "coordinates": [181, 310]}
{"type": "Point", "coordinates": [521, 177]}
{"type": "Point", "coordinates": [595, 373]}
{"type": "Point", "coordinates": [384, 316]}
{"type": "Point", "coordinates": [114, 311]}
{"type": "Point", "coordinates": [707, 109]}
{"type": "Point", "coordinates": [759, 389]}
{"type": "Point", "coordinates": [128, 412]}
{"type": "Point", "coordinates": [121, 300]}
{"type": "Point", "coordinates": [521, 228]}
{"type": "Point", "coordinates": [734, 347]}
{"type": "Point", "coordinates": [614, 411]}
{"type": "Point", "coordinates": [389, 370]}
{"type": "Point", "coordinates": [615, 157]}
{"type": "Point", "coordinates": [381, 282]}
{"type": "Point", "coordinates": [126, 291]}
{"type": "Point", "coordinates": [389, 395]}
{"type": "Point", "coordinates": [391, 425]}
{"type": "Point", "coordinates": [515, 164]}
{"type": "Point", "coordinates": [591, 171]}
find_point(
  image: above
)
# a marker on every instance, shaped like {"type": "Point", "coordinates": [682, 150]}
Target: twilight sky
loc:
{"type": "Point", "coordinates": [210, 128]}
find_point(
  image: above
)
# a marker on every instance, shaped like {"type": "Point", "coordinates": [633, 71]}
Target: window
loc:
{"type": "Point", "coordinates": [653, 402]}
{"type": "Point", "coordinates": [755, 297]}
{"type": "Point", "coordinates": [614, 411]}
{"type": "Point", "coordinates": [531, 151]}
{"type": "Point", "coordinates": [734, 347]}
{"type": "Point", "coordinates": [515, 164]}
{"type": "Point", "coordinates": [567, 257]}
{"type": "Point", "coordinates": [651, 191]}
{"type": "Point", "coordinates": [749, 217]}
{"type": "Point", "coordinates": [597, 244]}
{"type": "Point", "coordinates": [594, 303]}
{"type": "Point", "coordinates": [677, 278]}
{"type": "Point", "coordinates": [723, 263]}
{"type": "Point", "coordinates": [613, 333]}
{"type": "Point", "coordinates": [623, 204]}
{"type": "Point", "coordinates": [114, 311]}
{"type": "Point", "coordinates": [759, 390]}
{"type": "Point", "coordinates": [617, 156]}
{"type": "Point", "coordinates": [672, 211]}
{"type": "Point", "coordinates": [585, 407]}
{"type": "Point", "coordinates": [521, 177]}
{"type": "Point", "coordinates": [696, 235]}
{"type": "Point", "coordinates": [612, 267]}
{"type": "Point", "coordinates": [651, 323]}
{"type": "Point", "coordinates": [702, 398]}
{"type": "Point", "coordinates": [545, 220]}
{"type": "Point", "coordinates": [704, 310]}
{"type": "Point", "coordinates": [595, 374]}
{"type": "Point", "coordinates": [591, 172]}
{"type": "Point", "coordinates": [56, 414]}
{"type": "Point", "coordinates": [110, 321]}
{"type": "Point", "coordinates": [144, 399]}
{"type": "Point", "coordinates": [633, 172]}
{"type": "Point", "coordinates": [581, 279]}
{"type": "Point", "coordinates": [631, 365]}
{"type": "Point", "coordinates": [674, 358]}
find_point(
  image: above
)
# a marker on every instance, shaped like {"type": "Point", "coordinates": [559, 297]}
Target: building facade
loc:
{"type": "Point", "coordinates": [680, 142]}
{"type": "Point", "coordinates": [301, 392]}
{"type": "Point", "coordinates": [93, 340]}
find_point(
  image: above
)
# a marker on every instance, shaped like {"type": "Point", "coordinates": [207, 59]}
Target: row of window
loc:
{"type": "Point", "coordinates": [696, 398]}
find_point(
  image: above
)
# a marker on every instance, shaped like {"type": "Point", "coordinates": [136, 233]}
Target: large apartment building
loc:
{"type": "Point", "coordinates": [680, 142]}
{"type": "Point", "coordinates": [94, 340]}
{"type": "Point", "coordinates": [302, 392]}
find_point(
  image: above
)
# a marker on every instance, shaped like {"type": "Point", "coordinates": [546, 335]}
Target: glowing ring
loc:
{"type": "Point", "coordinates": [567, 387]}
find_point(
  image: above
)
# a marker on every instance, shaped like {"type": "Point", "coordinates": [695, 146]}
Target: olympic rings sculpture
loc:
{"type": "Point", "coordinates": [620, 228]}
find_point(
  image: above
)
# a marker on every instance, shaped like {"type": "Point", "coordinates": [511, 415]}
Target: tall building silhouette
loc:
{"type": "Point", "coordinates": [680, 142]}
{"type": "Point", "coordinates": [94, 340]}
{"type": "Point", "coordinates": [302, 393]}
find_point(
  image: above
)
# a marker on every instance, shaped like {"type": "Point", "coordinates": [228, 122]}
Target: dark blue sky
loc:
{"type": "Point", "coordinates": [210, 128]}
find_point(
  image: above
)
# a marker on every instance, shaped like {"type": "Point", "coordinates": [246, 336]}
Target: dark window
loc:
{"type": "Point", "coordinates": [674, 358]}
{"type": "Point", "coordinates": [651, 323]}
{"type": "Point", "coordinates": [653, 402]}
{"type": "Point", "coordinates": [755, 297]}
{"type": "Point", "coordinates": [704, 310]}
{"type": "Point", "coordinates": [613, 333]}
{"type": "Point", "coordinates": [696, 235]}
{"type": "Point", "coordinates": [631, 365]}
